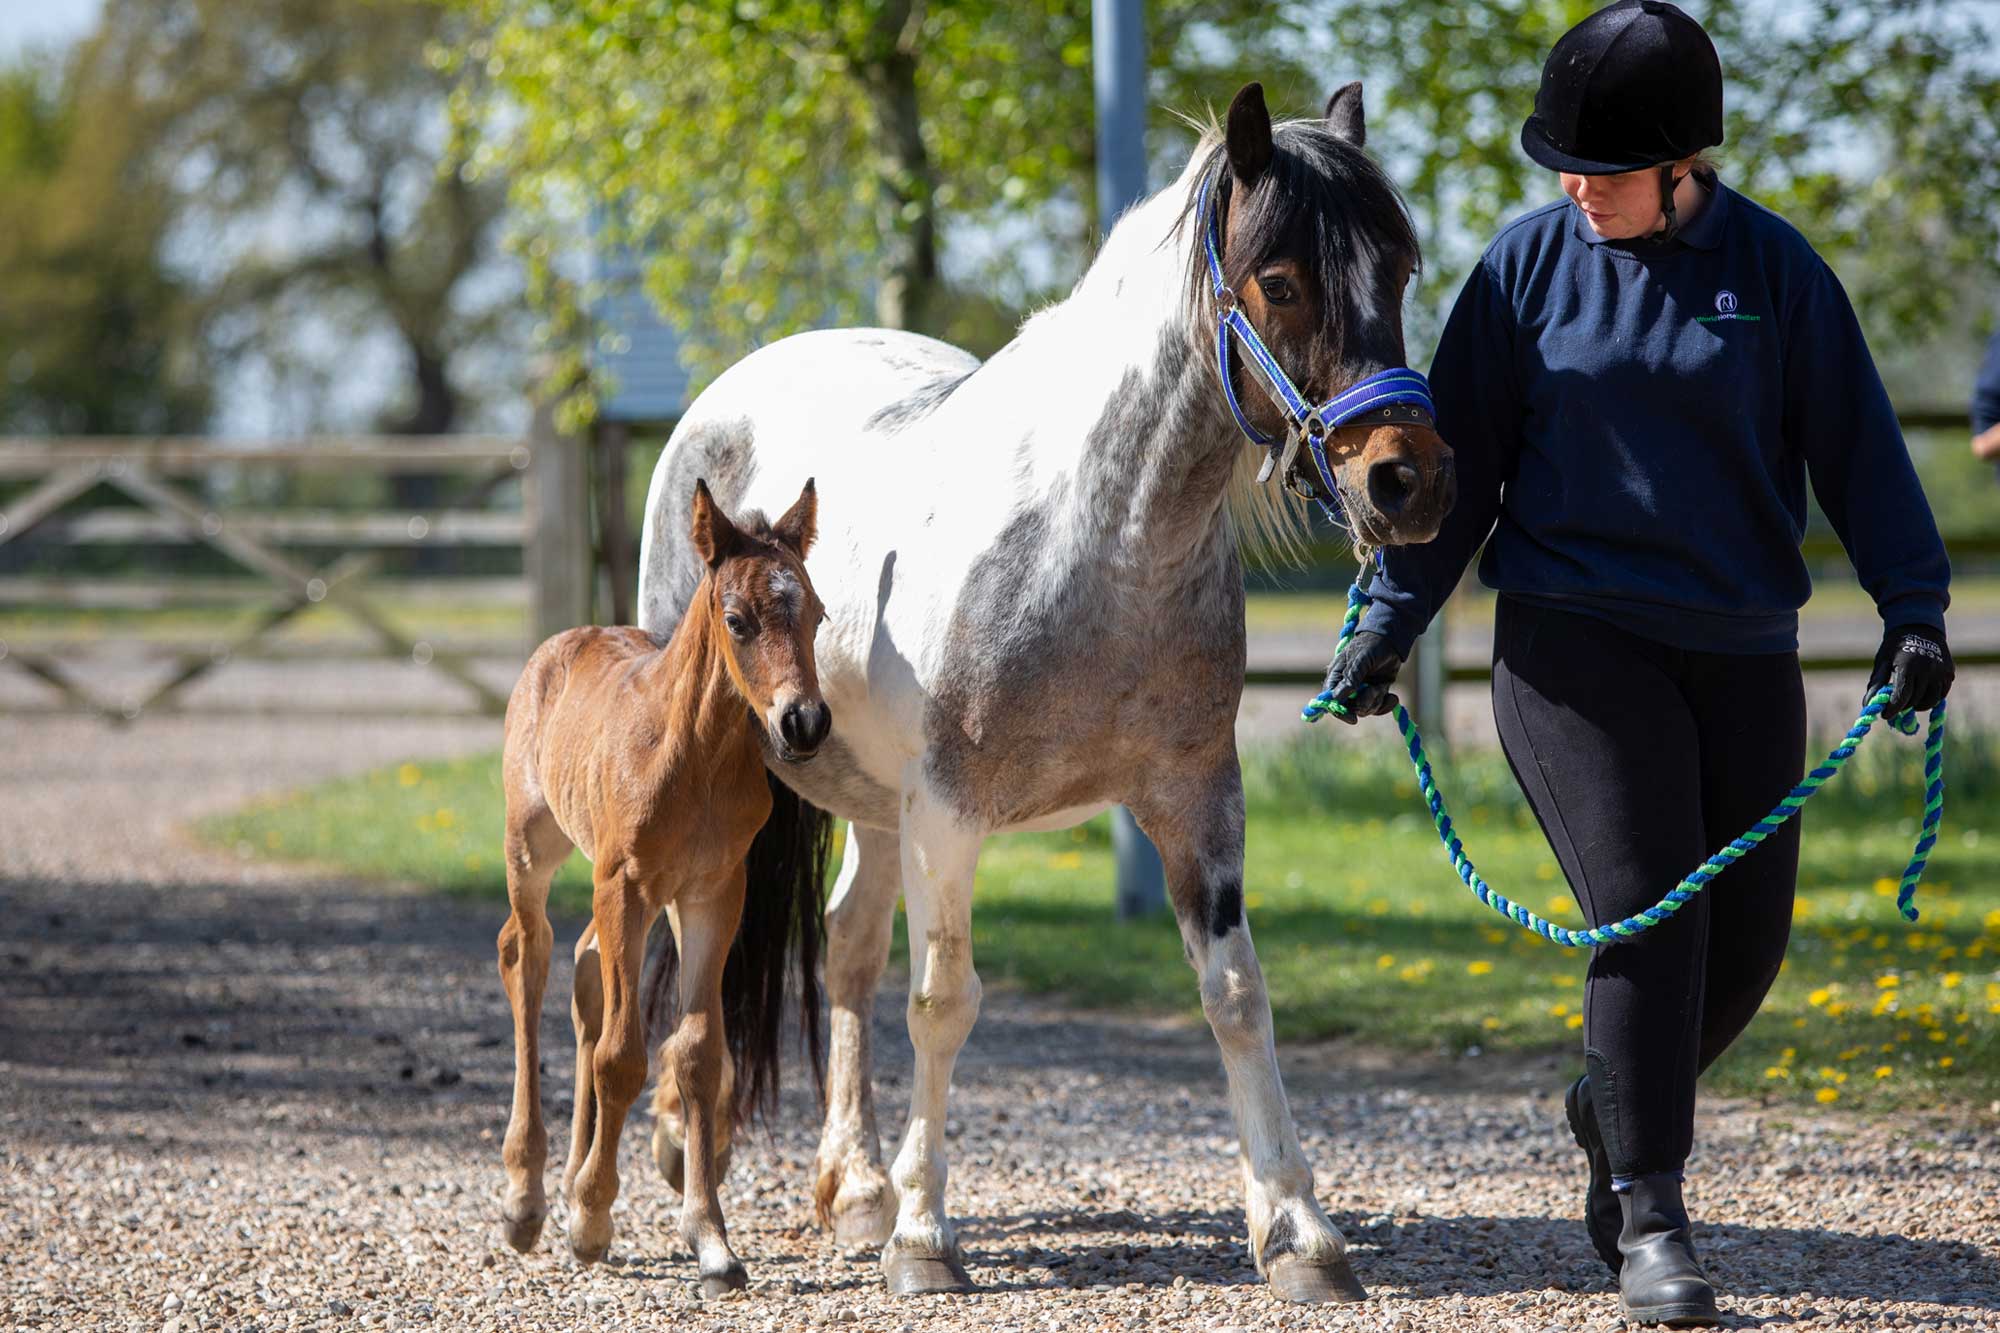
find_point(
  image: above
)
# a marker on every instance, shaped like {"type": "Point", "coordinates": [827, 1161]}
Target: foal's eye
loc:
{"type": "Point", "coordinates": [737, 625]}
{"type": "Point", "coordinates": [1278, 290]}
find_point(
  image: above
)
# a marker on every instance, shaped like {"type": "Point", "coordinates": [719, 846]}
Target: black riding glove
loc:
{"type": "Point", "coordinates": [1361, 675]}
{"type": "Point", "coordinates": [1916, 666]}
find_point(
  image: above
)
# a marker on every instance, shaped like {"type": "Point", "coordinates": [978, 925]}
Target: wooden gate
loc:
{"type": "Point", "coordinates": [550, 527]}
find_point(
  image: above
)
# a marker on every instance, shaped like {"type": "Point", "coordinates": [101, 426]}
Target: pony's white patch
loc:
{"type": "Point", "coordinates": [785, 586]}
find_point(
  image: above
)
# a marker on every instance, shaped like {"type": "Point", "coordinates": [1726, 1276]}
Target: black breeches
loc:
{"type": "Point", "coordinates": [1639, 760]}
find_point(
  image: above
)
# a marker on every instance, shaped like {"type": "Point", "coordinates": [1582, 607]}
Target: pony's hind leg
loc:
{"type": "Point", "coordinates": [939, 857]}
{"type": "Point", "coordinates": [618, 1062]}
{"type": "Point", "coordinates": [851, 1192]}
{"type": "Point", "coordinates": [1199, 831]}
{"type": "Point", "coordinates": [586, 1012]}
{"type": "Point", "coordinates": [534, 848]}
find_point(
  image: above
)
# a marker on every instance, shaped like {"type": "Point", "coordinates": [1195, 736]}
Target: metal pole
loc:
{"type": "Point", "coordinates": [1118, 54]}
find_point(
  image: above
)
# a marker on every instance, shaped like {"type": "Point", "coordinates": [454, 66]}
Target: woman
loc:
{"type": "Point", "coordinates": [1638, 382]}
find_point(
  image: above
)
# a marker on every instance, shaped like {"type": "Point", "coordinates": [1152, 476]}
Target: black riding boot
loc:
{"type": "Point", "coordinates": [1602, 1217]}
{"type": "Point", "coordinates": [1660, 1282]}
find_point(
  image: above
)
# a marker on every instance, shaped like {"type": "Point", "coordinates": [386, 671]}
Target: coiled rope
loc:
{"type": "Point", "coordinates": [1699, 878]}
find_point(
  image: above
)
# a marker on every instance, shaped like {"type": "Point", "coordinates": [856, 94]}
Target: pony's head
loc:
{"type": "Point", "coordinates": [757, 590]}
{"type": "Point", "coordinates": [1317, 248]}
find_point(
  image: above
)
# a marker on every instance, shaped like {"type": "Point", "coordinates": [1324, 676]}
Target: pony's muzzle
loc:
{"type": "Point", "coordinates": [1392, 487]}
{"type": "Point", "coordinates": [803, 727]}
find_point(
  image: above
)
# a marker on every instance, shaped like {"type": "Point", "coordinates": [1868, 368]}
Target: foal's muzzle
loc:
{"type": "Point", "coordinates": [803, 728]}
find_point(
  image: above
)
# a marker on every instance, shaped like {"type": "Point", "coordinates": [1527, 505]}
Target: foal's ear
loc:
{"type": "Point", "coordinates": [1249, 134]}
{"type": "Point", "coordinates": [714, 535]}
{"type": "Point", "coordinates": [1344, 115]}
{"type": "Point", "coordinates": [801, 522]}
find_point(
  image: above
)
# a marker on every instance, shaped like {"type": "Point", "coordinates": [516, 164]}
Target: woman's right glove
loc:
{"type": "Point", "coordinates": [1361, 675]}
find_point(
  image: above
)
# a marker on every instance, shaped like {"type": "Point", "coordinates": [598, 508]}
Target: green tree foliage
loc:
{"type": "Point", "coordinates": [96, 336]}
{"type": "Point", "coordinates": [792, 163]}
{"type": "Point", "coordinates": [313, 181]}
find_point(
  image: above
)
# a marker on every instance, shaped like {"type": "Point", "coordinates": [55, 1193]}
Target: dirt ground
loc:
{"type": "Point", "coordinates": [234, 1096]}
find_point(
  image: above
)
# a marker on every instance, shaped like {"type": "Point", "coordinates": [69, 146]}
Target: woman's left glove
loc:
{"type": "Point", "coordinates": [1916, 666]}
{"type": "Point", "coordinates": [1361, 675]}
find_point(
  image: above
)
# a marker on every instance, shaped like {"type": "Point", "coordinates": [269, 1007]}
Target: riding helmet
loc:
{"type": "Point", "coordinates": [1634, 85]}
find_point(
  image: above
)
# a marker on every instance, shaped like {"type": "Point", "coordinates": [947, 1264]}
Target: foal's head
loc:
{"type": "Point", "coordinates": [1318, 248]}
{"type": "Point", "coordinates": [757, 590]}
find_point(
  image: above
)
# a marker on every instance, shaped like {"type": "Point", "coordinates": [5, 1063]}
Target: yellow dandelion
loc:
{"type": "Point", "coordinates": [1378, 907]}
{"type": "Point", "coordinates": [1801, 909]}
{"type": "Point", "coordinates": [1951, 979]}
{"type": "Point", "coordinates": [1777, 1071]}
{"type": "Point", "coordinates": [1386, 961]}
{"type": "Point", "coordinates": [1850, 1053]}
{"type": "Point", "coordinates": [1490, 1024]}
{"type": "Point", "coordinates": [1251, 901]}
{"type": "Point", "coordinates": [1826, 1095]}
{"type": "Point", "coordinates": [1066, 861]}
{"type": "Point", "coordinates": [1574, 1021]}
{"type": "Point", "coordinates": [445, 818]}
{"type": "Point", "coordinates": [472, 861]}
{"type": "Point", "coordinates": [1879, 943]}
{"type": "Point", "coordinates": [1478, 967]}
{"type": "Point", "coordinates": [1493, 934]}
{"type": "Point", "coordinates": [1798, 1022]}
{"type": "Point", "coordinates": [1789, 1054]}
{"type": "Point", "coordinates": [1946, 954]}
{"type": "Point", "coordinates": [1883, 1071]}
{"type": "Point", "coordinates": [1945, 1062]}
{"type": "Point", "coordinates": [1547, 871]}
{"type": "Point", "coordinates": [1558, 1011]}
{"type": "Point", "coordinates": [1993, 921]}
{"type": "Point", "coordinates": [1827, 1073]}
{"type": "Point", "coordinates": [409, 775]}
{"type": "Point", "coordinates": [1558, 904]}
{"type": "Point", "coordinates": [1837, 1008]}
{"type": "Point", "coordinates": [1888, 981]}
{"type": "Point", "coordinates": [1962, 1039]}
{"type": "Point", "coordinates": [1819, 998]}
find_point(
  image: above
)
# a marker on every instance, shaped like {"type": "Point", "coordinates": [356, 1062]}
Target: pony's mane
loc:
{"type": "Point", "coordinates": [1323, 184]}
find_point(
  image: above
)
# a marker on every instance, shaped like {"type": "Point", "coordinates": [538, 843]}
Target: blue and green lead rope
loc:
{"type": "Point", "coordinates": [1699, 878]}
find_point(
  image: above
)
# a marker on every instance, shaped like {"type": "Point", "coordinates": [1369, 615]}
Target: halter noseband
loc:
{"type": "Point", "coordinates": [1395, 394]}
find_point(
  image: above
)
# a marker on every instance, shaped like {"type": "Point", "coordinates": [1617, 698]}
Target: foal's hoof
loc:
{"type": "Point", "coordinates": [1332, 1282]}
{"type": "Point", "coordinates": [525, 1231]}
{"type": "Point", "coordinates": [589, 1238]}
{"type": "Point", "coordinates": [730, 1279]}
{"type": "Point", "coordinates": [924, 1274]}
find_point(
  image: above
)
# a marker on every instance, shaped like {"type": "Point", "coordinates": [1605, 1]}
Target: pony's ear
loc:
{"type": "Point", "coordinates": [1344, 115]}
{"type": "Point", "coordinates": [715, 537]}
{"type": "Point", "coordinates": [801, 522]}
{"type": "Point", "coordinates": [1249, 134]}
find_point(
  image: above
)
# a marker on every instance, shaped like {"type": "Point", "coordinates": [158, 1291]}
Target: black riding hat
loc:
{"type": "Point", "coordinates": [1634, 85]}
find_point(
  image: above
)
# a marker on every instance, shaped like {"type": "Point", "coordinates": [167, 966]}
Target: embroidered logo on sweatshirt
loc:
{"type": "Point", "coordinates": [1725, 308]}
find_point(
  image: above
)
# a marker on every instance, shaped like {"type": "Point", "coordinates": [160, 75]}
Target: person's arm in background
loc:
{"type": "Point", "coordinates": [1479, 414]}
{"type": "Point", "coordinates": [1838, 414]}
{"type": "Point", "coordinates": [1986, 404]}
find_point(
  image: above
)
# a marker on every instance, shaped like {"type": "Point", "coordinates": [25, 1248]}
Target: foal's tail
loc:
{"type": "Point", "coordinates": [779, 937]}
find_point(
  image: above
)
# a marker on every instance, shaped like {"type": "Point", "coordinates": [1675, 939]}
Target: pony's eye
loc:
{"type": "Point", "coordinates": [737, 625]}
{"type": "Point", "coordinates": [1278, 290]}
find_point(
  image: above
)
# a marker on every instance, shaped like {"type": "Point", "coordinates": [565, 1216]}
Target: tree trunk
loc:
{"type": "Point", "coordinates": [907, 213]}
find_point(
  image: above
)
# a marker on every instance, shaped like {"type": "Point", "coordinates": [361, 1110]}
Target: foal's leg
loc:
{"type": "Point", "coordinates": [534, 847]}
{"type": "Point", "coordinates": [851, 1192]}
{"type": "Point", "coordinates": [695, 1058]}
{"type": "Point", "coordinates": [618, 1065]}
{"type": "Point", "coordinates": [939, 855]}
{"type": "Point", "coordinates": [1199, 830]}
{"type": "Point", "coordinates": [586, 1012]}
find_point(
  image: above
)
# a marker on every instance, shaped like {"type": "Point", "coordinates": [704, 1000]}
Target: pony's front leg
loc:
{"type": "Point", "coordinates": [1199, 831]}
{"type": "Point", "coordinates": [939, 856]}
{"type": "Point", "coordinates": [695, 1057]}
{"type": "Point", "coordinates": [618, 1065]}
{"type": "Point", "coordinates": [851, 1192]}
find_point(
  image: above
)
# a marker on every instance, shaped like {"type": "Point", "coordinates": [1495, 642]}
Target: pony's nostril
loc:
{"type": "Point", "coordinates": [1391, 486]}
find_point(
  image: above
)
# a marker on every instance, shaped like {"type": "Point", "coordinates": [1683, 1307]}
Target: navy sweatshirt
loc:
{"type": "Point", "coordinates": [1635, 423]}
{"type": "Point", "coordinates": [1986, 390]}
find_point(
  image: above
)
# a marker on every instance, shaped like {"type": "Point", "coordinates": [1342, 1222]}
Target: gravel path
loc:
{"type": "Point", "coordinates": [235, 1097]}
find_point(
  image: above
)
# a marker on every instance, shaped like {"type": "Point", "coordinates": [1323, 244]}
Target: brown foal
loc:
{"type": "Point", "coordinates": [648, 758]}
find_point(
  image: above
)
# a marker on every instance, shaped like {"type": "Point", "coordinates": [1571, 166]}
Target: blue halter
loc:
{"type": "Point", "coordinates": [1395, 394]}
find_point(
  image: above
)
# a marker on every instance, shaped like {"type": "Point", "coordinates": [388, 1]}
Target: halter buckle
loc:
{"type": "Point", "coordinates": [1225, 301]}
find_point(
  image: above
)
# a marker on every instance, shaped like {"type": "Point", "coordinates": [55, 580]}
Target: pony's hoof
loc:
{"type": "Point", "coordinates": [524, 1232]}
{"type": "Point", "coordinates": [924, 1274]}
{"type": "Point", "coordinates": [732, 1278]}
{"type": "Point", "coordinates": [1329, 1283]}
{"type": "Point", "coordinates": [864, 1225]}
{"type": "Point", "coordinates": [589, 1238]}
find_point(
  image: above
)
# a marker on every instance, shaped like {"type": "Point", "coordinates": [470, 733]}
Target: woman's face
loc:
{"type": "Point", "coordinates": [1618, 208]}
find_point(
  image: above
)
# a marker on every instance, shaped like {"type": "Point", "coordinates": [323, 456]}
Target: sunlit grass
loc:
{"type": "Point", "coordinates": [1362, 928]}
